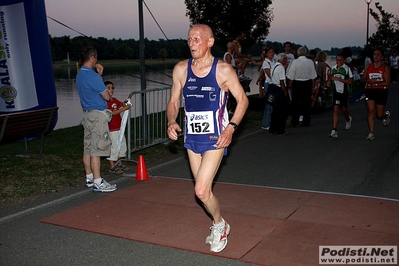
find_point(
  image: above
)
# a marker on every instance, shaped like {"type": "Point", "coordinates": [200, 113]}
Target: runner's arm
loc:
{"type": "Point", "coordinates": [174, 103]}
{"type": "Point", "coordinates": [228, 81]}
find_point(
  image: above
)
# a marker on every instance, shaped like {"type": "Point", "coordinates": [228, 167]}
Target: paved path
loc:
{"type": "Point", "coordinates": [305, 160]}
{"type": "Point", "coordinates": [308, 159]}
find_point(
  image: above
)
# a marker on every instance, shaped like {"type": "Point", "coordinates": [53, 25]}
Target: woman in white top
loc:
{"type": "Point", "coordinates": [266, 67]}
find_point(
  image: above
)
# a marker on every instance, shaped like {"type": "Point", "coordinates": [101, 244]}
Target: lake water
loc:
{"type": "Point", "coordinates": [126, 79]}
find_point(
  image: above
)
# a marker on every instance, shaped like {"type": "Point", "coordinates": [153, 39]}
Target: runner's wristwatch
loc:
{"type": "Point", "coordinates": [234, 125]}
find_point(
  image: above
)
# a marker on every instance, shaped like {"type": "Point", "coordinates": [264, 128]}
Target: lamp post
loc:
{"type": "Point", "coordinates": [368, 16]}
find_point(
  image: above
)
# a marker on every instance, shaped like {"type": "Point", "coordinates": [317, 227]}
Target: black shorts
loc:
{"type": "Point", "coordinates": [379, 96]}
{"type": "Point", "coordinates": [341, 99]}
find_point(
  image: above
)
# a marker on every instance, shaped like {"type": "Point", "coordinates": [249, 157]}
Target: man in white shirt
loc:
{"type": "Point", "coordinates": [301, 77]}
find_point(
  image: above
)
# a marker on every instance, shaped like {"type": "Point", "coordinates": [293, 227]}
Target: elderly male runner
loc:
{"type": "Point", "coordinates": [205, 83]}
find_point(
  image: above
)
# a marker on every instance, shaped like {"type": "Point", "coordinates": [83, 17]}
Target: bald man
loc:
{"type": "Point", "coordinates": [205, 83]}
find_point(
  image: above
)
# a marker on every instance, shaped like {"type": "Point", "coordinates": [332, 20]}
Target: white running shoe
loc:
{"type": "Point", "coordinates": [348, 124]}
{"type": "Point", "coordinates": [386, 121]}
{"type": "Point", "coordinates": [209, 239]}
{"type": "Point", "coordinates": [89, 182]}
{"type": "Point", "coordinates": [218, 236]}
{"type": "Point", "coordinates": [103, 187]}
{"type": "Point", "coordinates": [370, 136]}
{"type": "Point", "coordinates": [334, 134]}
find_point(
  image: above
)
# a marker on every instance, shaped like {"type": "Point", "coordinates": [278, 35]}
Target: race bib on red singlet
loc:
{"type": "Point", "coordinates": [200, 122]}
{"type": "Point", "coordinates": [377, 76]}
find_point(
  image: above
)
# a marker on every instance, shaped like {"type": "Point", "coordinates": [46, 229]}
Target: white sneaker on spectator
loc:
{"type": "Point", "coordinates": [89, 182]}
{"type": "Point", "coordinates": [104, 186]}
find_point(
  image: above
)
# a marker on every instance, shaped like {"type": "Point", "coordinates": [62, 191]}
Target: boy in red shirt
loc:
{"type": "Point", "coordinates": [117, 107]}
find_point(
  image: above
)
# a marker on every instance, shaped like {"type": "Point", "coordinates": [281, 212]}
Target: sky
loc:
{"type": "Point", "coordinates": [315, 23]}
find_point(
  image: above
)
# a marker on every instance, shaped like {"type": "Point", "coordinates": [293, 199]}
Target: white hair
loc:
{"type": "Point", "coordinates": [281, 57]}
{"type": "Point", "coordinates": [302, 51]}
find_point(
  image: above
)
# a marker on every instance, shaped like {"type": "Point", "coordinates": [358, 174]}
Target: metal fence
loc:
{"type": "Point", "coordinates": [148, 124]}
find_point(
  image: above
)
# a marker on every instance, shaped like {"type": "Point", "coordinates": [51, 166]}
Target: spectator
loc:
{"type": "Point", "coordinates": [301, 75]}
{"type": "Point", "coordinates": [266, 66]}
{"type": "Point", "coordinates": [322, 67]}
{"type": "Point", "coordinates": [312, 55]}
{"type": "Point", "coordinates": [117, 107]}
{"type": "Point", "coordinates": [393, 63]}
{"type": "Point", "coordinates": [290, 56]}
{"type": "Point", "coordinates": [93, 95]}
{"type": "Point", "coordinates": [261, 79]}
{"type": "Point", "coordinates": [229, 57]}
{"type": "Point", "coordinates": [280, 110]}
{"type": "Point", "coordinates": [293, 51]}
{"type": "Point", "coordinates": [241, 58]}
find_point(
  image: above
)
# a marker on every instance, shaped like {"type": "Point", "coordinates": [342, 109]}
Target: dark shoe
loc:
{"type": "Point", "coordinates": [124, 167]}
{"type": "Point", "coordinates": [116, 170]}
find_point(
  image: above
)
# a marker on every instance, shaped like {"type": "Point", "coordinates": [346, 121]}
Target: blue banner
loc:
{"type": "Point", "coordinates": [26, 69]}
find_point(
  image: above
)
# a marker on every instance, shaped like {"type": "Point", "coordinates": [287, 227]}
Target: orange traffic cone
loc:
{"type": "Point", "coordinates": [141, 173]}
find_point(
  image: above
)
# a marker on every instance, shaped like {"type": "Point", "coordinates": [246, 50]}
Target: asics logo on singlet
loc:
{"type": "Point", "coordinates": [207, 89]}
{"type": "Point", "coordinates": [192, 79]}
{"type": "Point", "coordinates": [191, 88]}
{"type": "Point", "coordinates": [212, 96]}
{"type": "Point", "coordinates": [195, 117]}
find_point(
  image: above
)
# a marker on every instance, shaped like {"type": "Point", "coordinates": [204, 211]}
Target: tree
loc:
{"type": "Point", "coordinates": [163, 54]}
{"type": "Point", "coordinates": [387, 28]}
{"type": "Point", "coordinates": [229, 17]}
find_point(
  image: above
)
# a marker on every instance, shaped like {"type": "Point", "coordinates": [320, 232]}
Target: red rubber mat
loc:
{"type": "Point", "coordinates": [268, 226]}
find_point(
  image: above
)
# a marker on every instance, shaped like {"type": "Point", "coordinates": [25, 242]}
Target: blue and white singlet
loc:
{"type": "Point", "coordinates": [205, 109]}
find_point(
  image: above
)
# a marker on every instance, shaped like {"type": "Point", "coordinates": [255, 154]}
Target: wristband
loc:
{"type": "Point", "coordinates": [234, 125]}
